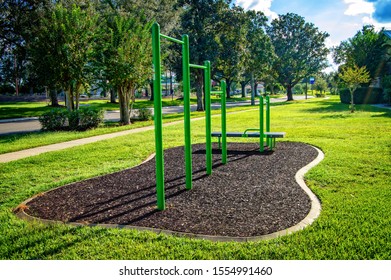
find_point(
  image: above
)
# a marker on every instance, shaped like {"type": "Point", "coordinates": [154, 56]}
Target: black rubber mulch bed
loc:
{"type": "Point", "coordinates": [253, 194]}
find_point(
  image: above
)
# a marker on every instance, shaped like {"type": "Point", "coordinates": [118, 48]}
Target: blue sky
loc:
{"type": "Point", "coordinates": [340, 18]}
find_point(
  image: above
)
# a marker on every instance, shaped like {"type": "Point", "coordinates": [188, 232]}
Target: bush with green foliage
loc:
{"type": "Point", "coordinates": [363, 95]}
{"type": "Point", "coordinates": [82, 119]}
{"type": "Point", "coordinates": [386, 83]}
{"type": "Point", "coordinates": [53, 120]}
{"type": "Point", "coordinates": [73, 119]}
{"type": "Point", "coordinates": [144, 114]}
{"type": "Point", "coordinates": [298, 89]}
{"type": "Point", "coordinates": [90, 118]}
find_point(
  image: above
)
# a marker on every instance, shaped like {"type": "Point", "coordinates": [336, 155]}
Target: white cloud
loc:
{"type": "Point", "coordinates": [258, 5]}
{"type": "Point", "coordinates": [357, 7]}
{"type": "Point", "coordinates": [378, 26]}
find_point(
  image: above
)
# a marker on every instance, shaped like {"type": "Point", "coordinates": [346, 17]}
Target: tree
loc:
{"type": "Point", "coordinates": [259, 50]}
{"type": "Point", "coordinates": [200, 20]}
{"type": "Point", "coordinates": [164, 12]}
{"type": "Point", "coordinates": [366, 48]}
{"type": "Point", "coordinates": [18, 19]}
{"type": "Point", "coordinates": [231, 39]}
{"type": "Point", "coordinates": [300, 48]}
{"type": "Point", "coordinates": [320, 84]}
{"type": "Point", "coordinates": [63, 49]}
{"type": "Point", "coordinates": [353, 77]}
{"type": "Point", "coordinates": [125, 57]}
{"type": "Point", "coordinates": [332, 82]}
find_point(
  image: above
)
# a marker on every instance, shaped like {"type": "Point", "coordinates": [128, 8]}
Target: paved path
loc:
{"type": "Point", "coordinates": [10, 126]}
{"type": "Point", "coordinates": [78, 142]}
{"type": "Point", "coordinates": [29, 123]}
{"type": "Point", "coordinates": [69, 144]}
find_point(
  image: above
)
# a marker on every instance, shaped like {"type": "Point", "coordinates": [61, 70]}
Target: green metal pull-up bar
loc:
{"type": "Point", "coordinates": [222, 94]}
{"type": "Point", "coordinates": [158, 111]}
{"type": "Point", "coordinates": [186, 96]}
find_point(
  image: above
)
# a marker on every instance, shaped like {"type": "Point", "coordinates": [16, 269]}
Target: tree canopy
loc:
{"type": "Point", "coordinates": [124, 57]}
{"type": "Point", "coordinates": [107, 43]}
{"type": "Point", "coordinates": [300, 49]}
{"type": "Point", "coordinates": [353, 76]}
{"type": "Point", "coordinates": [366, 48]}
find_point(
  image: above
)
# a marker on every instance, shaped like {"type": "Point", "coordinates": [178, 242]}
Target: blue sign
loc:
{"type": "Point", "coordinates": [312, 80]}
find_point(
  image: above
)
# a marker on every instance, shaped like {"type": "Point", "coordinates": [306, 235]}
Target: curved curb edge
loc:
{"type": "Point", "coordinates": [309, 219]}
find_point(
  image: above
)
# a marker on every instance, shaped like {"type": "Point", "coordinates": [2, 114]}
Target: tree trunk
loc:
{"type": "Point", "coordinates": [112, 96]}
{"type": "Point", "coordinates": [252, 90]}
{"type": "Point", "coordinates": [200, 87]}
{"type": "Point", "coordinates": [351, 101]}
{"type": "Point", "coordinates": [228, 83]}
{"type": "Point", "coordinates": [53, 98]}
{"type": "Point", "coordinates": [77, 95]}
{"type": "Point", "coordinates": [171, 86]}
{"type": "Point", "coordinates": [243, 85]}
{"type": "Point", "coordinates": [69, 99]}
{"type": "Point", "coordinates": [16, 77]}
{"type": "Point", "coordinates": [151, 86]}
{"type": "Point", "coordinates": [289, 92]}
{"type": "Point", "coordinates": [124, 102]}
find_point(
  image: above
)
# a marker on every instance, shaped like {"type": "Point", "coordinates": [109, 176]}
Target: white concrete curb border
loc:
{"type": "Point", "coordinates": [308, 220]}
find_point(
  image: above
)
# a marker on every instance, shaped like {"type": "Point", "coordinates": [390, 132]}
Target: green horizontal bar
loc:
{"type": "Point", "coordinates": [217, 92]}
{"type": "Point", "coordinates": [197, 66]}
{"type": "Point", "coordinates": [171, 39]}
{"type": "Point", "coordinates": [250, 129]}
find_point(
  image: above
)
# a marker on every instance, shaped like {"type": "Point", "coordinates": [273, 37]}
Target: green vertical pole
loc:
{"type": "Point", "coordinates": [208, 120]}
{"type": "Point", "coordinates": [186, 98]}
{"type": "Point", "coordinates": [268, 139]}
{"type": "Point", "coordinates": [261, 135]}
{"type": "Point", "coordinates": [223, 122]}
{"type": "Point", "coordinates": [157, 92]}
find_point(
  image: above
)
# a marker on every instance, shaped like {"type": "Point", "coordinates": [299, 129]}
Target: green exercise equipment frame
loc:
{"type": "Point", "coordinates": [157, 91]}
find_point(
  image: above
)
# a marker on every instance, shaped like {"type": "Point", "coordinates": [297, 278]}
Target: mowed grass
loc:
{"type": "Point", "coordinates": [21, 141]}
{"type": "Point", "coordinates": [352, 183]}
{"type": "Point", "coordinates": [10, 110]}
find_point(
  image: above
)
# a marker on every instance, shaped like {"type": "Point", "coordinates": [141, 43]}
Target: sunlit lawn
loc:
{"type": "Point", "coordinates": [9, 110]}
{"type": "Point", "coordinates": [352, 183]}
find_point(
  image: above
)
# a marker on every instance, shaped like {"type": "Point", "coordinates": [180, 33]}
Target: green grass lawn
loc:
{"type": "Point", "coordinates": [352, 183]}
{"type": "Point", "coordinates": [10, 110]}
{"type": "Point", "coordinates": [21, 141]}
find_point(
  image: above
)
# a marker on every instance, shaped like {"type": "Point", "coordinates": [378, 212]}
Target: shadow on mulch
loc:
{"type": "Point", "coordinates": [253, 194]}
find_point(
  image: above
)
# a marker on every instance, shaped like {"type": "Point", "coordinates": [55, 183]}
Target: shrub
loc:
{"type": "Point", "coordinates": [73, 120]}
{"type": "Point", "coordinates": [386, 83]}
{"type": "Point", "coordinates": [53, 120]}
{"type": "Point", "coordinates": [89, 118]}
{"type": "Point", "coordinates": [82, 119]}
{"type": "Point", "coordinates": [363, 95]}
{"type": "Point", "coordinates": [144, 114]}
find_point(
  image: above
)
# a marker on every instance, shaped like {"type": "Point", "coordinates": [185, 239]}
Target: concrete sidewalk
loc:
{"type": "Point", "coordinates": [112, 116]}
{"type": "Point", "coordinates": [24, 125]}
{"type": "Point", "coordinates": [78, 142]}
{"type": "Point", "coordinates": [69, 144]}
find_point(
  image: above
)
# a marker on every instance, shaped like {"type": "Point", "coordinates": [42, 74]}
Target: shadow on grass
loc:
{"type": "Point", "coordinates": [328, 107]}
{"type": "Point", "coordinates": [34, 242]}
{"type": "Point", "coordinates": [11, 112]}
{"type": "Point", "coordinates": [341, 110]}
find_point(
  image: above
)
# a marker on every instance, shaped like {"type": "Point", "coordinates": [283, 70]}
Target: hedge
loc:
{"type": "Point", "coordinates": [363, 95]}
{"type": "Point", "coordinates": [82, 119]}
